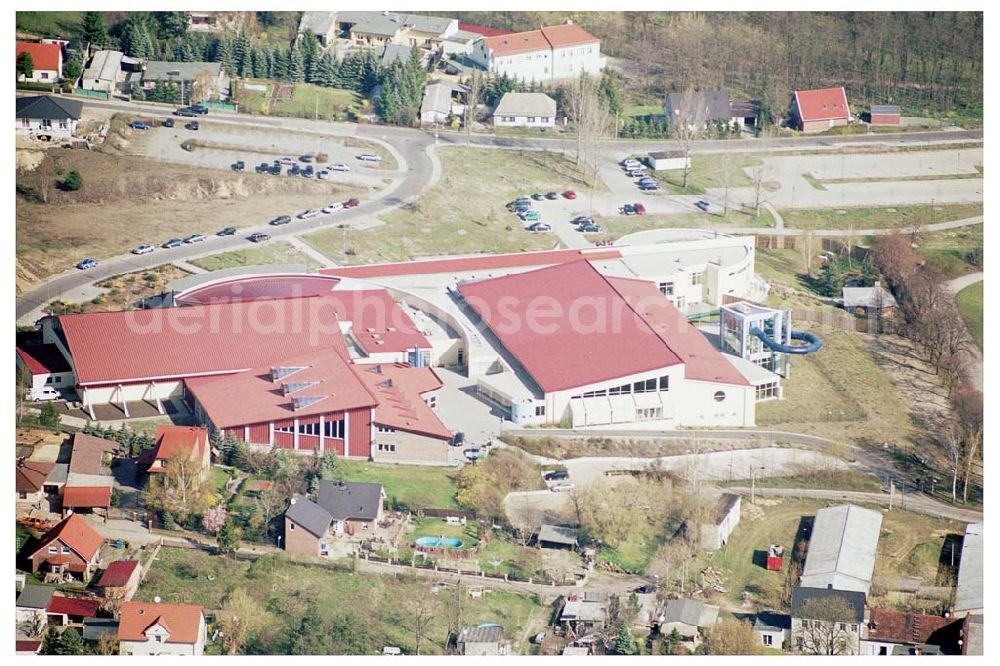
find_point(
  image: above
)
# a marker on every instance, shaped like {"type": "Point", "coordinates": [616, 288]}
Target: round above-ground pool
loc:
{"type": "Point", "coordinates": [439, 542]}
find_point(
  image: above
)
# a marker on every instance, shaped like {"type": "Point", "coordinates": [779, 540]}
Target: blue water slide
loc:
{"type": "Point", "coordinates": [813, 343]}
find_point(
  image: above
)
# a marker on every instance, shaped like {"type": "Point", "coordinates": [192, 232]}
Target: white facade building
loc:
{"type": "Point", "coordinates": [548, 54]}
{"type": "Point", "coordinates": [525, 110]}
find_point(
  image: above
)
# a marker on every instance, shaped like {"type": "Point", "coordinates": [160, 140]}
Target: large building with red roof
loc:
{"type": "Point", "coordinates": [819, 110]}
{"type": "Point", "coordinates": [552, 53]}
{"type": "Point", "coordinates": [572, 345]}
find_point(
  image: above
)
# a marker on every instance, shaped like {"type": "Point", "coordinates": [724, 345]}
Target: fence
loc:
{"type": "Point", "coordinates": [220, 106]}
{"type": "Point", "coordinates": [446, 513]}
{"type": "Point", "coordinates": [91, 93]}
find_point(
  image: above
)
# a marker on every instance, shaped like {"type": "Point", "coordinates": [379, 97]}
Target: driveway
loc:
{"type": "Point", "coordinates": [462, 410]}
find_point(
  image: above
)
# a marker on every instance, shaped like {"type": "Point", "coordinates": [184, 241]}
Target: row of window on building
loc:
{"type": "Point", "coordinates": [643, 386]}
{"type": "Point", "coordinates": [331, 429]}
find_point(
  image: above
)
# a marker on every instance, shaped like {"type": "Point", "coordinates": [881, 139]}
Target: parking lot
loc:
{"type": "Point", "coordinates": [218, 146]}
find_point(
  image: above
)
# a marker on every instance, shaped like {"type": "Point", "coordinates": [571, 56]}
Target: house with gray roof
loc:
{"type": "Point", "coordinates": [969, 590]}
{"type": "Point", "coordinates": [842, 547]}
{"type": "Point", "coordinates": [525, 110]}
{"type": "Point", "coordinates": [343, 510]}
{"type": "Point", "coordinates": [703, 108]}
{"type": "Point", "coordinates": [690, 618]}
{"type": "Point", "coordinates": [773, 629]}
{"type": "Point", "coordinates": [29, 609]}
{"type": "Point", "coordinates": [47, 117]}
{"type": "Point", "coordinates": [104, 74]}
{"type": "Point", "coordinates": [557, 536]}
{"type": "Point", "coordinates": [484, 640]}
{"type": "Point", "coordinates": [864, 301]}
{"type": "Point", "coordinates": [438, 104]}
{"type": "Point", "coordinates": [825, 620]}
{"type": "Point", "coordinates": [202, 81]}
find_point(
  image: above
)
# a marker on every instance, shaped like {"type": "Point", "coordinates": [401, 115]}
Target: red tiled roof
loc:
{"type": "Point", "coordinates": [197, 340]}
{"type": "Point", "coordinates": [73, 607]}
{"type": "Point", "coordinates": [28, 646]}
{"type": "Point", "coordinates": [822, 104]}
{"type": "Point", "coordinates": [44, 56]}
{"type": "Point", "coordinates": [583, 330]}
{"type": "Point", "coordinates": [482, 30]}
{"type": "Point", "coordinates": [43, 359]}
{"type": "Point", "coordinates": [568, 34]}
{"type": "Point", "coordinates": [899, 627]}
{"type": "Point", "coordinates": [87, 497]}
{"type": "Point", "coordinates": [702, 361]}
{"type": "Point", "coordinates": [31, 475]}
{"type": "Point", "coordinates": [256, 287]}
{"type": "Point", "coordinates": [75, 533]}
{"type": "Point", "coordinates": [183, 621]}
{"type": "Point", "coordinates": [87, 456]}
{"type": "Point", "coordinates": [398, 388]}
{"type": "Point", "coordinates": [377, 322]}
{"type": "Point", "coordinates": [252, 397]}
{"type": "Point", "coordinates": [118, 573]}
{"type": "Point", "coordinates": [482, 262]}
{"type": "Point", "coordinates": [172, 440]}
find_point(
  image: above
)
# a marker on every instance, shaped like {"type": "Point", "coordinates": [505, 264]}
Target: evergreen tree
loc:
{"type": "Point", "coordinates": [241, 55]}
{"type": "Point", "coordinates": [311, 54]}
{"type": "Point", "coordinates": [66, 642]}
{"type": "Point", "coordinates": [136, 41]}
{"type": "Point", "coordinates": [229, 538]}
{"type": "Point", "coordinates": [387, 105]}
{"type": "Point", "coordinates": [296, 66]}
{"type": "Point", "coordinates": [279, 65]}
{"type": "Point", "coordinates": [170, 25]}
{"type": "Point", "coordinates": [25, 65]}
{"type": "Point", "coordinates": [350, 73]}
{"type": "Point", "coordinates": [93, 28]}
{"type": "Point", "coordinates": [326, 71]}
{"type": "Point", "coordinates": [831, 279]}
{"type": "Point", "coordinates": [611, 90]}
{"type": "Point", "coordinates": [624, 643]}
{"type": "Point", "coordinates": [415, 77]}
{"type": "Point", "coordinates": [371, 72]}
{"type": "Point", "coordinates": [258, 63]}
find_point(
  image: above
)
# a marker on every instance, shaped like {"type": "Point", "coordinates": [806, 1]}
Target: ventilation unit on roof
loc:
{"type": "Point", "coordinates": [391, 329]}
{"type": "Point", "coordinates": [304, 401]}
{"type": "Point", "coordinates": [293, 387]}
{"type": "Point", "coordinates": [377, 369]}
{"type": "Point", "coordinates": [282, 371]}
{"type": "Point", "coordinates": [370, 329]}
{"type": "Point", "coordinates": [388, 383]}
{"type": "Point", "coordinates": [379, 342]}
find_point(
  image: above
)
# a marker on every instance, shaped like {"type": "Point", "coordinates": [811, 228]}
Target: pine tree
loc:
{"type": "Point", "coordinates": [326, 71]}
{"type": "Point", "coordinates": [387, 105]}
{"type": "Point", "coordinates": [296, 66]}
{"type": "Point", "coordinates": [371, 72]}
{"type": "Point", "coordinates": [93, 28]}
{"type": "Point", "coordinates": [624, 643]}
{"type": "Point", "coordinates": [258, 62]}
{"type": "Point", "coordinates": [350, 74]}
{"type": "Point", "coordinates": [279, 65]}
{"type": "Point", "coordinates": [136, 42]}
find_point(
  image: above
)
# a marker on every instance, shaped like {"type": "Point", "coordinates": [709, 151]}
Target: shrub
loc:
{"type": "Point", "coordinates": [49, 416]}
{"type": "Point", "coordinates": [72, 182]}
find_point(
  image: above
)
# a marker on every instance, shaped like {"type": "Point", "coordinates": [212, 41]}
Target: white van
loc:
{"type": "Point", "coordinates": [43, 393]}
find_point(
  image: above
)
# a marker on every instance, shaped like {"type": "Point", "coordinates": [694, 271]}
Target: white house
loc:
{"type": "Point", "coordinates": [525, 110]}
{"type": "Point", "coordinates": [46, 60]}
{"type": "Point", "coordinates": [549, 54]}
{"type": "Point", "coordinates": [149, 629]}
{"type": "Point", "coordinates": [438, 103]}
{"type": "Point", "coordinates": [726, 516]}
{"type": "Point", "coordinates": [47, 118]}
{"type": "Point", "coordinates": [105, 72]}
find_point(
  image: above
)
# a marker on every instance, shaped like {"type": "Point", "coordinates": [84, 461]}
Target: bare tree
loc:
{"type": "Point", "coordinates": [589, 112]}
{"type": "Point", "coordinates": [726, 174]}
{"type": "Point", "coordinates": [242, 616]}
{"type": "Point", "coordinates": [472, 98]}
{"type": "Point", "coordinates": [687, 125]}
{"type": "Point", "coordinates": [824, 626]}
{"type": "Point", "coordinates": [419, 612]}
{"type": "Point", "coordinates": [952, 438]}
{"type": "Point", "coordinates": [808, 248]}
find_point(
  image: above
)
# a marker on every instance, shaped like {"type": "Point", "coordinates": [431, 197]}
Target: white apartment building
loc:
{"type": "Point", "coordinates": [548, 54]}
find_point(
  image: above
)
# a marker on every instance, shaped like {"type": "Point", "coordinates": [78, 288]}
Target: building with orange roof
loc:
{"type": "Point", "coordinates": [552, 53]}
{"type": "Point", "coordinates": [47, 61]}
{"type": "Point", "coordinates": [171, 442]}
{"type": "Point", "coordinates": [151, 629]}
{"type": "Point", "coordinates": [71, 548]}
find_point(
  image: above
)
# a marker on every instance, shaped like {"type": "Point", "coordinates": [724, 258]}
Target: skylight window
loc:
{"type": "Point", "coordinates": [301, 402]}
{"type": "Point", "coordinates": [282, 371]}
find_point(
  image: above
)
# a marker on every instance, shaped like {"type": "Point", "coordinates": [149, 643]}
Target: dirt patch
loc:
{"type": "Point", "coordinates": [37, 437]}
{"type": "Point", "coordinates": [562, 448]}
{"type": "Point", "coordinates": [123, 292]}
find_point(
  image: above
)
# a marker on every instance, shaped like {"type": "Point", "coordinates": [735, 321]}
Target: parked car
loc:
{"type": "Point", "coordinates": [193, 125]}
{"type": "Point", "coordinates": [285, 161]}
{"type": "Point", "coordinates": [472, 453]}
{"type": "Point", "coordinates": [639, 209]}
{"type": "Point", "coordinates": [168, 122]}
{"type": "Point", "coordinates": [86, 263]}
{"type": "Point", "coordinates": [308, 172]}
{"type": "Point", "coordinates": [649, 187]}
{"type": "Point", "coordinates": [537, 196]}
{"type": "Point", "coordinates": [275, 170]}
{"type": "Point", "coordinates": [582, 219]}
{"type": "Point", "coordinates": [139, 125]}
{"type": "Point", "coordinates": [323, 174]}
{"type": "Point", "coordinates": [200, 109]}
{"type": "Point", "coordinates": [352, 203]}
{"type": "Point", "coordinates": [172, 243]}
{"type": "Point", "coordinates": [368, 157]}
{"type": "Point", "coordinates": [284, 219]}
{"type": "Point", "coordinates": [646, 180]}
{"type": "Point", "coordinates": [530, 216]}
{"type": "Point", "coordinates": [589, 228]}
{"type": "Point", "coordinates": [562, 487]}
{"type": "Point", "coordinates": [258, 237]}
{"type": "Point", "coordinates": [702, 204]}
{"type": "Point", "coordinates": [194, 238]}
{"type": "Point", "coordinates": [636, 173]}
{"type": "Point", "coordinates": [569, 194]}
{"type": "Point", "coordinates": [228, 231]}
{"type": "Point", "coordinates": [627, 209]}
{"type": "Point", "coordinates": [338, 166]}
{"type": "Point", "coordinates": [458, 439]}
{"type": "Point", "coordinates": [305, 158]}
{"type": "Point", "coordinates": [185, 113]}
{"type": "Point", "coordinates": [238, 166]}
{"type": "Point", "coordinates": [38, 522]}
{"type": "Point", "coordinates": [630, 161]}
{"type": "Point", "coordinates": [333, 208]}
{"type": "Point", "coordinates": [556, 475]}
{"type": "Point", "coordinates": [263, 167]}
{"type": "Point", "coordinates": [306, 214]}
{"type": "Point", "coordinates": [293, 170]}
{"type": "Point", "coordinates": [142, 249]}
{"type": "Point", "coordinates": [551, 196]}
{"type": "Point", "coordinates": [540, 227]}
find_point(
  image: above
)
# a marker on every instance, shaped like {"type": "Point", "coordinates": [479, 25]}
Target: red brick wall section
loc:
{"type": "Point", "coordinates": [300, 540]}
{"type": "Point", "coordinates": [361, 433]}
{"type": "Point", "coordinates": [880, 119]}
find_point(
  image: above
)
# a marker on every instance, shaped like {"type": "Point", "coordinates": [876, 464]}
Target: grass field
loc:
{"type": "Point", "coordinates": [463, 213]}
{"type": "Point", "coordinates": [877, 218]}
{"type": "Point", "coordinates": [970, 305]}
{"type": "Point", "coordinates": [317, 102]}
{"type": "Point", "coordinates": [271, 252]}
{"type": "Point", "coordinates": [357, 613]}
{"type": "Point", "coordinates": [50, 23]}
{"type": "Point", "coordinates": [909, 545]}
{"type": "Point", "coordinates": [709, 170]}
{"type": "Point", "coordinates": [848, 480]}
{"type": "Point", "coordinates": [413, 486]}
{"type": "Point", "coordinates": [633, 110]}
{"type": "Point", "coordinates": [621, 225]}
{"type": "Point", "coordinates": [948, 252]}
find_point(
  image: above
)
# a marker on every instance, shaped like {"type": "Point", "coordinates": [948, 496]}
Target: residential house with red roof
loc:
{"type": "Point", "coordinates": [821, 109]}
{"type": "Point", "coordinates": [47, 62]}
{"type": "Point", "coordinates": [177, 444]}
{"type": "Point", "coordinates": [893, 632]}
{"type": "Point", "coordinates": [572, 345]}
{"type": "Point", "coordinates": [121, 579]}
{"type": "Point", "coordinates": [151, 629]}
{"type": "Point", "coordinates": [71, 548]}
{"type": "Point", "coordinates": [46, 366]}
{"type": "Point", "coordinates": [552, 53]}
{"type": "Point", "coordinates": [29, 480]}
{"type": "Point", "coordinates": [89, 484]}
{"type": "Point", "coordinates": [63, 611]}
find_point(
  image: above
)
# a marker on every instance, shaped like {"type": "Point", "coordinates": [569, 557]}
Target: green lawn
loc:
{"type": "Point", "coordinates": [270, 252]}
{"type": "Point", "coordinates": [970, 305]}
{"type": "Point", "coordinates": [220, 477]}
{"type": "Point", "coordinates": [709, 170]}
{"type": "Point", "coordinates": [952, 253]}
{"type": "Point", "coordinates": [877, 218]}
{"type": "Point", "coordinates": [65, 24]}
{"type": "Point", "coordinates": [413, 486]}
{"type": "Point", "coordinates": [463, 213]}
{"type": "Point", "coordinates": [620, 225]}
{"type": "Point", "coordinates": [312, 101]}
{"type": "Point", "coordinates": [848, 480]}
{"type": "Point", "coordinates": [357, 613]}
{"type": "Point", "coordinates": [637, 110]}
